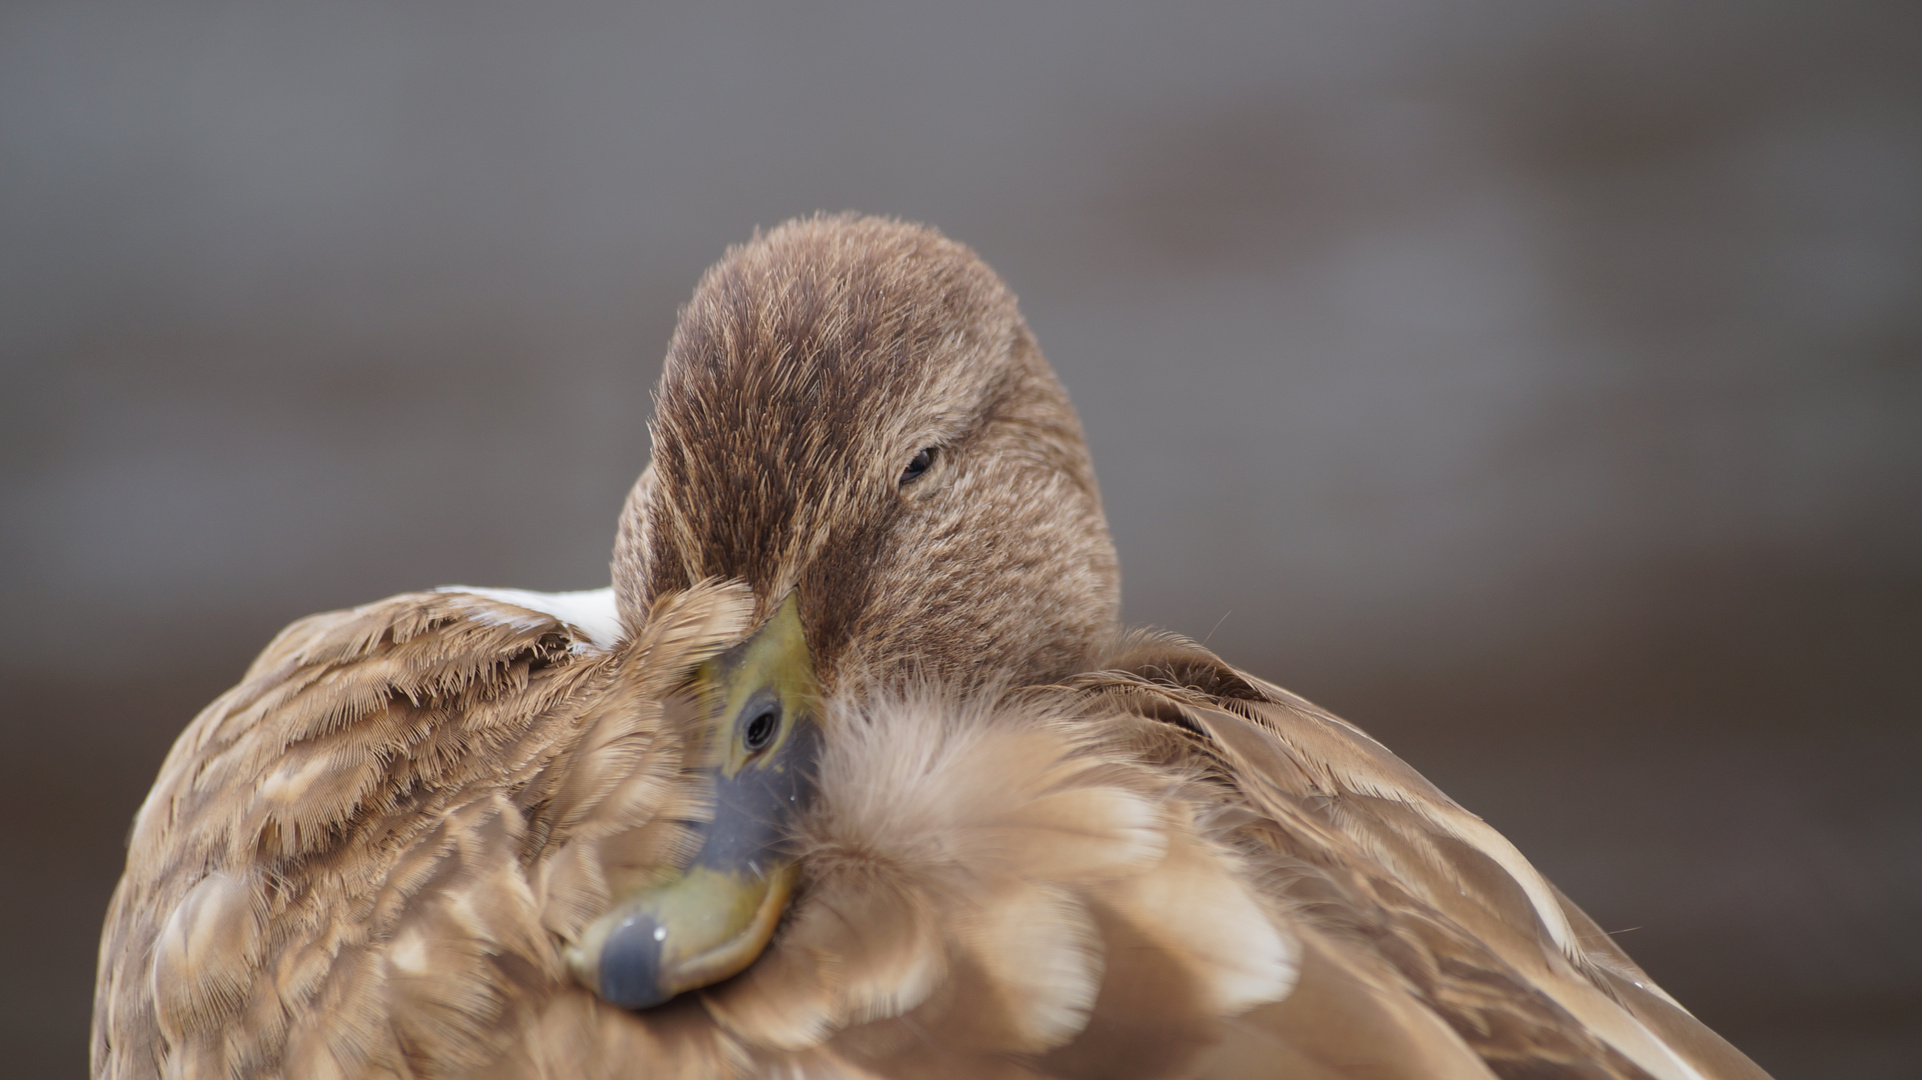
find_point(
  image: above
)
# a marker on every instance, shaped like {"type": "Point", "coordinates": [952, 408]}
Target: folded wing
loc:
{"type": "Point", "coordinates": [363, 860]}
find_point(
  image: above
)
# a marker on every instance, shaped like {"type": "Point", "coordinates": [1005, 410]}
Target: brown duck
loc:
{"type": "Point", "coordinates": [850, 773]}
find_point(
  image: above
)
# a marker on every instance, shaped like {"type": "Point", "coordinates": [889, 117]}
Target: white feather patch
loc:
{"type": "Point", "coordinates": [591, 611]}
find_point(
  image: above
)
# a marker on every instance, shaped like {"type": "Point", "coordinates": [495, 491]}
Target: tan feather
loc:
{"type": "Point", "coordinates": [332, 875]}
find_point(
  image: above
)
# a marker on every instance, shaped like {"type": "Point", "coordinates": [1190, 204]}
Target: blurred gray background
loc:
{"type": "Point", "coordinates": [1537, 384]}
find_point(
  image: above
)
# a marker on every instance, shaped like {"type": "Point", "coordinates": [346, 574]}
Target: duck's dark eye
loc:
{"type": "Point", "coordinates": [918, 465]}
{"type": "Point", "coordinates": [759, 729]}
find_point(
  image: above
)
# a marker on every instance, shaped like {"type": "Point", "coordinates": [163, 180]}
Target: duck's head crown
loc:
{"type": "Point", "coordinates": [853, 407]}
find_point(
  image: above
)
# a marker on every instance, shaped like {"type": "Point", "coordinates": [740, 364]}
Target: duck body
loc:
{"type": "Point", "coordinates": [1030, 845]}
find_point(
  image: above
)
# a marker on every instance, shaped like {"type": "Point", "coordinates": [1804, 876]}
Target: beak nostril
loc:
{"type": "Point", "coordinates": [759, 730]}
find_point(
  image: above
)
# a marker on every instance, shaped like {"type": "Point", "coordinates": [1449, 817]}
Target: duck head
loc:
{"type": "Point", "coordinates": [855, 421]}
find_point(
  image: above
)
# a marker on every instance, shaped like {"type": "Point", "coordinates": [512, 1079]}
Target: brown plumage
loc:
{"type": "Point", "coordinates": [1038, 848]}
{"type": "Point", "coordinates": [808, 370]}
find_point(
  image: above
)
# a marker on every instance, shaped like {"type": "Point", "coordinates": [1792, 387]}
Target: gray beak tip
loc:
{"type": "Point", "coordinates": [630, 968]}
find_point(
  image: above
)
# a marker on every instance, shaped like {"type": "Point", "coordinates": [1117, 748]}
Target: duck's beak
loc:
{"type": "Point", "coordinates": [757, 709]}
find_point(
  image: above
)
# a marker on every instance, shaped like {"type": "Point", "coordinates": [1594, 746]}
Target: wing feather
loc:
{"type": "Point", "coordinates": [347, 864]}
{"type": "Point", "coordinates": [1384, 865]}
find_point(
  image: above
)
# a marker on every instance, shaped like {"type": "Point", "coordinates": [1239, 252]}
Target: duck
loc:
{"type": "Point", "coordinates": [852, 771]}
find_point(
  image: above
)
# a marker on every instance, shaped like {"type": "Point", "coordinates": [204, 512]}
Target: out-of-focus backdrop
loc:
{"type": "Point", "coordinates": [1539, 385]}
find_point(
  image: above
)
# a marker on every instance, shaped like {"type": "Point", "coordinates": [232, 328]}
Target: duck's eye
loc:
{"type": "Point", "coordinates": [759, 729]}
{"type": "Point", "coordinates": [918, 465]}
